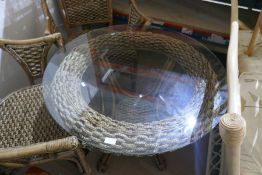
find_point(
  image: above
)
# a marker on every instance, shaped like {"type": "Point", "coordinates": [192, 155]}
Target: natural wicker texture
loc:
{"type": "Point", "coordinates": [84, 12]}
{"type": "Point", "coordinates": [54, 146]}
{"type": "Point", "coordinates": [25, 120]}
{"type": "Point", "coordinates": [50, 26]}
{"type": "Point", "coordinates": [28, 134]}
{"type": "Point", "coordinates": [132, 139]}
{"type": "Point", "coordinates": [31, 54]}
{"type": "Point", "coordinates": [136, 17]}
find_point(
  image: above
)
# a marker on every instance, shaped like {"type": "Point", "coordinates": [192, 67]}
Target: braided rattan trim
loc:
{"type": "Point", "coordinates": [132, 139]}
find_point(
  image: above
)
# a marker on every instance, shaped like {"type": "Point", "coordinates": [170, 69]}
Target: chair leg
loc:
{"type": "Point", "coordinates": [160, 162]}
{"type": "Point", "coordinates": [76, 161]}
{"type": "Point", "coordinates": [83, 161]}
{"type": "Point", "coordinates": [104, 162]}
{"type": "Point", "coordinates": [6, 171]}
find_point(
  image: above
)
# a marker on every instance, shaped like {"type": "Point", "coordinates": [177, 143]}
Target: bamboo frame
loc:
{"type": "Point", "coordinates": [50, 26]}
{"type": "Point", "coordinates": [232, 125]}
{"type": "Point", "coordinates": [7, 45]}
{"type": "Point", "coordinates": [65, 144]}
{"type": "Point", "coordinates": [48, 39]}
{"type": "Point", "coordinates": [255, 35]}
{"type": "Point", "coordinates": [67, 148]}
{"type": "Point", "coordinates": [62, 149]}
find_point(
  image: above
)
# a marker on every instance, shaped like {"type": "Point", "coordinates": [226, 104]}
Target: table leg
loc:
{"type": "Point", "coordinates": [160, 162]}
{"type": "Point", "coordinates": [104, 162]}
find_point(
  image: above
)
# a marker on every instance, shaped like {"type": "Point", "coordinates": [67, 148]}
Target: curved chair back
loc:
{"type": "Point", "coordinates": [137, 17]}
{"type": "Point", "coordinates": [29, 135]}
{"type": "Point", "coordinates": [31, 54]}
{"type": "Point", "coordinates": [79, 13]}
{"type": "Point", "coordinates": [50, 26]}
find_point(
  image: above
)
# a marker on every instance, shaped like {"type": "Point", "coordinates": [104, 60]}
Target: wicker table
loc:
{"type": "Point", "coordinates": [133, 92]}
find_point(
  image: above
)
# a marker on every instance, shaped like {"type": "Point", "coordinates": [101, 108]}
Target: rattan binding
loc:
{"type": "Point", "coordinates": [28, 132]}
{"type": "Point", "coordinates": [31, 54]}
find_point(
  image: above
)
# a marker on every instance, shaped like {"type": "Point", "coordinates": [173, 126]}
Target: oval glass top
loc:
{"type": "Point", "coordinates": [135, 92]}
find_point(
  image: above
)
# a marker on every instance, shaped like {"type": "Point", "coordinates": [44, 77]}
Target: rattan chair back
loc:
{"type": "Point", "coordinates": [30, 136]}
{"type": "Point", "coordinates": [38, 119]}
{"type": "Point", "coordinates": [31, 54]}
{"type": "Point", "coordinates": [85, 12]}
{"type": "Point", "coordinates": [50, 26]}
{"type": "Point", "coordinates": [137, 17]}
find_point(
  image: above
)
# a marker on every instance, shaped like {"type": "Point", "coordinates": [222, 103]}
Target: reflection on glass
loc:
{"type": "Point", "coordinates": [251, 159]}
{"type": "Point", "coordinates": [157, 94]}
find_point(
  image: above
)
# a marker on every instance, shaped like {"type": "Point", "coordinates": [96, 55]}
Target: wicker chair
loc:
{"type": "Point", "coordinates": [50, 26]}
{"type": "Point", "coordinates": [136, 17]}
{"type": "Point", "coordinates": [85, 13]}
{"type": "Point", "coordinates": [28, 134]}
{"type": "Point", "coordinates": [31, 54]}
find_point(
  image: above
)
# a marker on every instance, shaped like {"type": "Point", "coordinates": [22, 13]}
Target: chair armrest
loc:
{"type": "Point", "coordinates": [55, 146]}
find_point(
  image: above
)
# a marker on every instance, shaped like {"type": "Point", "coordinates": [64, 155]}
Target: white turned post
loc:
{"type": "Point", "coordinates": [232, 126]}
{"type": "Point", "coordinates": [232, 130]}
{"type": "Point", "coordinates": [234, 103]}
{"type": "Point", "coordinates": [252, 43]}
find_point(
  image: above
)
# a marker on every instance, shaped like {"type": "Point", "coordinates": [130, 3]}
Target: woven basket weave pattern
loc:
{"type": "Point", "coordinates": [31, 56]}
{"type": "Point", "coordinates": [132, 139]}
{"type": "Point", "coordinates": [135, 18]}
{"type": "Point", "coordinates": [81, 12]}
{"type": "Point", "coordinates": [24, 119]}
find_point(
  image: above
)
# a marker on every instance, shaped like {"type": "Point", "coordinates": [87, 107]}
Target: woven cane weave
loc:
{"type": "Point", "coordinates": [24, 119]}
{"type": "Point", "coordinates": [81, 12]}
{"type": "Point", "coordinates": [136, 17]}
{"type": "Point", "coordinates": [132, 138]}
{"type": "Point", "coordinates": [31, 54]}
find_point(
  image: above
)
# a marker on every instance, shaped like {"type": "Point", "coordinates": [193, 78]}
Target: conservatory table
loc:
{"type": "Point", "coordinates": [133, 92]}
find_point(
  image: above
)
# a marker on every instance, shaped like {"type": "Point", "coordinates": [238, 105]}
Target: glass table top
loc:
{"type": "Point", "coordinates": [133, 92]}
